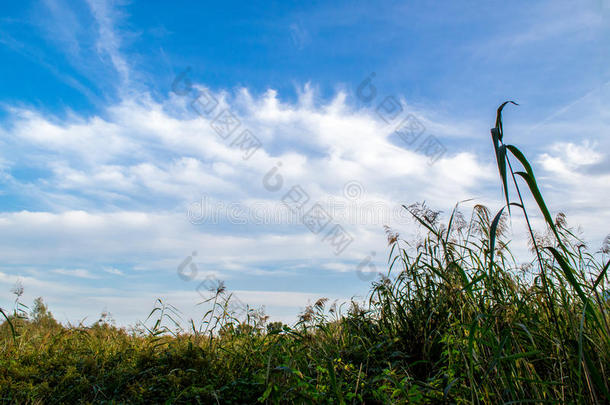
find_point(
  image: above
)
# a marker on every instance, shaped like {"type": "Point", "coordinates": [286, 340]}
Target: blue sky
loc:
{"type": "Point", "coordinates": [103, 168]}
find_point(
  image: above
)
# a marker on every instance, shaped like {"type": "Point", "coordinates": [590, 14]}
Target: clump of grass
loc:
{"type": "Point", "coordinates": [456, 319]}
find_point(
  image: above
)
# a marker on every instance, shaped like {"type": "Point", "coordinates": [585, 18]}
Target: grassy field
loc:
{"type": "Point", "coordinates": [456, 320]}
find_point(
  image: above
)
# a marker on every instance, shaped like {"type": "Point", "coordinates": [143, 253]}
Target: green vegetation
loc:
{"type": "Point", "coordinates": [456, 320]}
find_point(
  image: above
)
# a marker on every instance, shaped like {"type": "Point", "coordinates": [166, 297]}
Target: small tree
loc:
{"type": "Point", "coordinates": [40, 315]}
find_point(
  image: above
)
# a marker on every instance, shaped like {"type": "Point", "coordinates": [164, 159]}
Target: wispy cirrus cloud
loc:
{"type": "Point", "coordinates": [80, 273]}
{"type": "Point", "coordinates": [108, 43]}
{"type": "Point", "coordinates": [114, 271]}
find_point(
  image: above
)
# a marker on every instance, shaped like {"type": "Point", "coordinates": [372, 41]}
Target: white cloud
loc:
{"type": "Point", "coordinates": [114, 271]}
{"type": "Point", "coordinates": [567, 155]}
{"type": "Point", "coordinates": [109, 43]}
{"type": "Point", "coordinates": [578, 190]}
{"type": "Point", "coordinates": [80, 273]}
